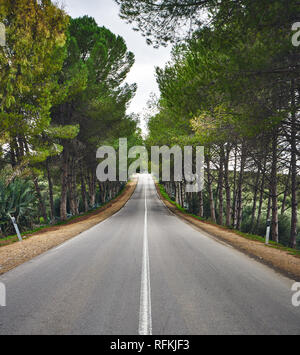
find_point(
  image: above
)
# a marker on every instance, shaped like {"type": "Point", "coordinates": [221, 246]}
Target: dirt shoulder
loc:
{"type": "Point", "coordinates": [280, 260]}
{"type": "Point", "coordinates": [18, 253]}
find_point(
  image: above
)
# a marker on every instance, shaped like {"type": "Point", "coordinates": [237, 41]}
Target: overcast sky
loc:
{"type": "Point", "coordinates": [147, 58]}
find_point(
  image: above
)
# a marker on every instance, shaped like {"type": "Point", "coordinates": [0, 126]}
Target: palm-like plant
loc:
{"type": "Point", "coordinates": [16, 199]}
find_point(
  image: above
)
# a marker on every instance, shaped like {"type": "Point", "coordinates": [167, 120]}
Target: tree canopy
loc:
{"type": "Point", "coordinates": [63, 94]}
{"type": "Point", "coordinates": [232, 86]}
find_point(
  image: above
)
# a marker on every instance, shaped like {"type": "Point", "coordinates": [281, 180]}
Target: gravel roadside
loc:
{"type": "Point", "coordinates": [18, 253]}
{"type": "Point", "coordinates": [280, 260]}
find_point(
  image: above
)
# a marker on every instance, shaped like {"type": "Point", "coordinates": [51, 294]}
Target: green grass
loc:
{"type": "Point", "coordinates": [167, 197]}
{"type": "Point", "coordinates": [253, 237]}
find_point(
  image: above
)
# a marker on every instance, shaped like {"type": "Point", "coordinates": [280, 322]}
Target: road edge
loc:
{"type": "Point", "coordinates": [219, 234]}
{"type": "Point", "coordinates": [16, 254]}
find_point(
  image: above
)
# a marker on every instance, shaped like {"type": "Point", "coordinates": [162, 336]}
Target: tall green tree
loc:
{"type": "Point", "coordinates": [29, 63]}
{"type": "Point", "coordinates": [97, 64]}
{"type": "Point", "coordinates": [236, 81]}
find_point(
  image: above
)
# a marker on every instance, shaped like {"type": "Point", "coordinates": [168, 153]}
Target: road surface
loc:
{"type": "Point", "coordinates": [144, 271]}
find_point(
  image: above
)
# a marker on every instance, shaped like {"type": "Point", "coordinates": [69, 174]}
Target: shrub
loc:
{"type": "Point", "coordinates": [18, 200]}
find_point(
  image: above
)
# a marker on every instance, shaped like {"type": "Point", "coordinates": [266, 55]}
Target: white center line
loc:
{"type": "Point", "coordinates": [145, 321]}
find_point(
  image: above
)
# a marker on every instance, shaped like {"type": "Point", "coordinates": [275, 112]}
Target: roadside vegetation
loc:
{"type": "Point", "coordinates": [253, 237]}
{"type": "Point", "coordinates": [62, 95]}
{"type": "Point", "coordinates": [232, 86]}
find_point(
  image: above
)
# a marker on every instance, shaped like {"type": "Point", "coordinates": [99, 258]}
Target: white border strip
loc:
{"type": "Point", "coordinates": [145, 321]}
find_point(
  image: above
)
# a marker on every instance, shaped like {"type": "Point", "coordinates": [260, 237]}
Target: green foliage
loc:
{"type": "Point", "coordinates": [18, 200]}
{"type": "Point", "coordinates": [162, 21]}
{"type": "Point", "coordinates": [231, 86]}
{"type": "Point", "coordinates": [167, 197]}
{"type": "Point", "coordinates": [259, 238]}
{"type": "Point", "coordinates": [29, 64]}
{"type": "Point", "coordinates": [99, 60]}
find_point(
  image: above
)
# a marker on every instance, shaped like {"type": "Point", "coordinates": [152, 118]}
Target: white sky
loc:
{"type": "Point", "coordinates": [147, 58]}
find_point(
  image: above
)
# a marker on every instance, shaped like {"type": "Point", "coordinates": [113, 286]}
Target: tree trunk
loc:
{"type": "Point", "coordinates": [227, 186]}
{"type": "Point", "coordinates": [201, 204]}
{"type": "Point", "coordinates": [64, 186]}
{"type": "Point", "coordinates": [210, 192]}
{"type": "Point", "coordinates": [234, 208]}
{"type": "Point", "coordinates": [83, 190]}
{"type": "Point", "coordinates": [50, 184]}
{"type": "Point", "coordinates": [221, 186]}
{"type": "Point", "coordinates": [72, 188]}
{"type": "Point", "coordinates": [294, 218]}
{"type": "Point", "coordinates": [182, 195]}
{"type": "Point", "coordinates": [40, 198]}
{"type": "Point", "coordinates": [261, 198]}
{"type": "Point", "coordinates": [274, 187]}
{"type": "Point", "coordinates": [286, 191]}
{"type": "Point", "coordinates": [269, 206]}
{"type": "Point", "coordinates": [92, 188]}
{"type": "Point", "coordinates": [255, 195]}
{"type": "Point", "coordinates": [104, 194]}
{"type": "Point", "coordinates": [240, 190]}
{"type": "Point", "coordinates": [13, 158]}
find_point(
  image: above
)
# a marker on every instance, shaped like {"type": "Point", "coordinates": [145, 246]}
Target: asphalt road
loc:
{"type": "Point", "coordinates": [144, 271]}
